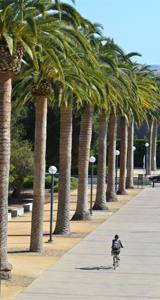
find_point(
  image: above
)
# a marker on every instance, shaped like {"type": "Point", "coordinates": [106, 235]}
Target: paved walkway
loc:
{"type": "Point", "coordinates": [85, 272]}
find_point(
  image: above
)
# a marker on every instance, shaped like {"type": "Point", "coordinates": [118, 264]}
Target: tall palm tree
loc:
{"type": "Point", "coordinates": [123, 157]}
{"type": "Point", "coordinates": [100, 203]}
{"type": "Point", "coordinates": [82, 212]}
{"type": "Point", "coordinates": [154, 144]}
{"type": "Point", "coordinates": [17, 32]}
{"type": "Point", "coordinates": [149, 140]}
{"type": "Point", "coordinates": [62, 223]}
{"type": "Point", "coordinates": [37, 77]}
{"type": "Point", "coordinates": [129, 179]}
{"type": "Point", "coordinates": [110, 193]}
{"type": "Point", "coordinates": [40, 95]}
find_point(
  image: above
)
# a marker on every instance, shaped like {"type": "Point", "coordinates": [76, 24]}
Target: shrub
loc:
{"type": "Point", "coordinates": [74, 183]}
{"type": "Point", "coordinates": [28, 183]}
{"type": "Point", "coordinates": [56, 188]}
{"type": "Point", "coordinates": [48, 182]}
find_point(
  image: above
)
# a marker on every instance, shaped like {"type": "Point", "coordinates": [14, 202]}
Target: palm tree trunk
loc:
{"type": "Point", "coordinates": [123, 157]}
{"type": "Point", "coordinates": [129, 180]}
{"type": "Point", "coordinates": [62, 224]}
{"type": "Point", "coordinates": [36, 244]}
{"type": "Point", "coordinates": [110, 194]}
{"type": "Point", "coordinates": [100, 203]}
{"type": "Point", "coordinates": [149, 139]}
{"type": "Point", "coordinates": [5, 114]}
{"type": "Point", "coordinates": [154, 146]}
{"type": "Point", "coordinates": [82, 212]}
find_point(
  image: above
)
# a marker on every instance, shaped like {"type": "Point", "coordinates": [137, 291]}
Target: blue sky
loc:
{"type": "Point", "coordinates": [133, 24]}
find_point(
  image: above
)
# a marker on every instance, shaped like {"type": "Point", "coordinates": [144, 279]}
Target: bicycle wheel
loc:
{"type": "Point", "coordinates": [115, 261]}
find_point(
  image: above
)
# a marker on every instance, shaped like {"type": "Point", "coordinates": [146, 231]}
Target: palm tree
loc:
{"type": "Point", "coordinates": [123, 157]}
{"type": "Point", "coordinates": [40, 95]}
{"type": "Point", "coordinates": [154, 144]}
{"type": "Point", "coordinates": [82, 212]}
{"type": "Point", "coordinates": [62, 223]}
{"type": "Point", "coordinates": [129, 179]}
{"type": "Point", "coordinates": [110, 194]}
{"type": "Point", "coordinates": [17, 32]}
{"type": "Point", "coordinates": [36, 81]}
{"type": "Point", "coordinates": [100, 203]}
{"type": "Point", "coordinates": [149, 140]}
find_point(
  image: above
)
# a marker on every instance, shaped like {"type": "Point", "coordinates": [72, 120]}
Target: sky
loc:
{"type": "Point", "coordinates": [133, 24]}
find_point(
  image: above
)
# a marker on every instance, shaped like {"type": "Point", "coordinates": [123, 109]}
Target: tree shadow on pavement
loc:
{"type": "Point", "coordinates": [95, 268]}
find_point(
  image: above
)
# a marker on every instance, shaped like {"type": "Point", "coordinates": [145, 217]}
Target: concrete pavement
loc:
{"type": "Point", "coordinates": [86, 272]}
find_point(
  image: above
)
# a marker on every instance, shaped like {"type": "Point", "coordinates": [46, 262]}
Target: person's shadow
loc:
{"type": "Point", "coordinates": [95, 268]}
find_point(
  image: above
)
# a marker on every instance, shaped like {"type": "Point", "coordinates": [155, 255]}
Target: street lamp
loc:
{"type": "Point", "coordinates": [146, 145]}
{"type": "Point", "coordinates": [117, 152]}
{"type": "Point", "coordinates": [92, 160]}
{"type": "Point", "coordinates": [134, 148]}
{"type": "Point", "coordinates": [52, 170]}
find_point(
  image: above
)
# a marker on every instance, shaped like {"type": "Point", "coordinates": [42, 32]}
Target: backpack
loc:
{"type": "Point", "coordinates": [116, 244]}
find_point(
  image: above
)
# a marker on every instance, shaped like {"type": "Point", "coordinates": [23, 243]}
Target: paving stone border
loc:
{"type": "Point", "coordinates": [20, 210]}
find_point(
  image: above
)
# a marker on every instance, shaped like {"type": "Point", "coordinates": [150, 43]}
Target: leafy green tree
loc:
{"type": "Point", "coordinates": [21, 161]}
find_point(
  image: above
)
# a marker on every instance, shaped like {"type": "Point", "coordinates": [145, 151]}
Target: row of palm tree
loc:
{"type": "Point", "coordinates": [67, 63]}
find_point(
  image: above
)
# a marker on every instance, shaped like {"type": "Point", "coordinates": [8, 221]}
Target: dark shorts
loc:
{"type": "Point", "coordinates": [116, 251]}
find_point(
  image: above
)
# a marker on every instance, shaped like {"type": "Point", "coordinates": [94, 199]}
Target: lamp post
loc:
{"type": "Point", "coordinates": [52, 170]}
{"type": "Point", "coordinates": [146, 145]}
{"type": "Point", "coordinates": [134, 148]}
{"type": "Point", "coordinates": [92, 160]}
{"type": "Point", "coordinates": [117, 153]}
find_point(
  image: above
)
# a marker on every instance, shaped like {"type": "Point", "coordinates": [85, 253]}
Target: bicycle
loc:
{"type": "Point", "coordinates": [116, 260]}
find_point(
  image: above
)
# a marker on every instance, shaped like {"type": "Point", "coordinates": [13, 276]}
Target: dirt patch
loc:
{"type": "Point", "coordinates": [17, 280]}
{"type": "Point", "coordinates": [45, 253]}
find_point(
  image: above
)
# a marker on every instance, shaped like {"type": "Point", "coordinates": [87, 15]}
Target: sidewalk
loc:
{"type": "Point", "coordinates": [85, 272]}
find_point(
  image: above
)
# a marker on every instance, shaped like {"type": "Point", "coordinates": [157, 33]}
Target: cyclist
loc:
{"type": "Point", "coordinates": [116, 247]}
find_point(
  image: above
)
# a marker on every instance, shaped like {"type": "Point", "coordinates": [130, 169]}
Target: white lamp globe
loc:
{"type": "Point", "coordinates": [92, 159]}
{"type": "Point", "coordinates": [52, 170]}
{"type": "Point", "coordinates": [117, 152]}
{"type": "Point", "coordinates": [134, 148]}
{"type": "Point", "coordinates": [146, 144]}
